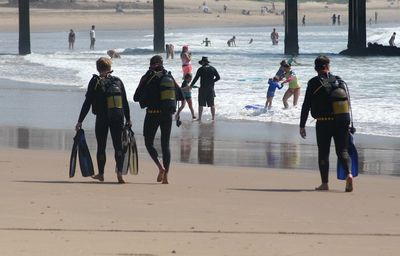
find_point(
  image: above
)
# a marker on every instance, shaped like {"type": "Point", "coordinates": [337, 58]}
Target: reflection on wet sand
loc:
{"type": "Point", "coordinates": [211, 149]}
{"type": "Point", "coordinates": [205, 143]}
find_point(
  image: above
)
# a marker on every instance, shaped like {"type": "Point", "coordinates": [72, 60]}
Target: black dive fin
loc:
{"type": "Point", "coordinates": [133, 158]}
{"type": "Point", "coordinates": [341, 173]}
{"type": "Point", "coordinates": [125, 149]}
{"type": "Point", "coordinates": [85, 160]}
{"type": "Point", "coordinates": [74, 154]}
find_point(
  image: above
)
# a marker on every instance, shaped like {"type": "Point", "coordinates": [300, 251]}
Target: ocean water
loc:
{"type": "Point", "coordinates": [373, 81]}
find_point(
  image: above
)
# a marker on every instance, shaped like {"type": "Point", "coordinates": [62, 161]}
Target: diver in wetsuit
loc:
{"type": "Point", "coordinates": [158, 113]}
{"type": "Point", "coordinates": [327, 98]}
{"type": "Point", "coordinates": [106, 94]}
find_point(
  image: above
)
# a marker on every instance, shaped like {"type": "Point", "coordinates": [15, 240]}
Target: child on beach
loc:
{"type": "Point", "coordinates": [187, 92]}
{"type": "Point", "coordinates": [273, 84]}
{"type": "Point", "coordinates": [294, 86]}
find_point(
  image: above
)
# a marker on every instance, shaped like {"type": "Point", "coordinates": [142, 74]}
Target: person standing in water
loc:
{"type": "Point", "coordinates": [107, 97]}
{"type": "Point", "coordinates": [92, 35]}
{"type": "Point", "coordinates": [392, 38]}
{"type": "Point", "coordinates": [186, 58]}
{"type": "Point", "coordinates": [208, 76]}
{"type": "Point", "coordinates": [333, 120]}
{"type": "Point", "coordinates": [273, 85]}
{"type": "Point", "coordinates": [206, 42]}
{"type": "Point", "coordinates": [274, 37]}
{"type": "Point", "coordinates": [187, 93]}
{"type": "Point", "coordinates": [294, 86]}
{"type": "Point", "coordinates": [71, 39]}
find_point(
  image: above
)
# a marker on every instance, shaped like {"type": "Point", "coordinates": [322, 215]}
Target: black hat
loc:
{"type": "Point", "coordinates": [203, 60]}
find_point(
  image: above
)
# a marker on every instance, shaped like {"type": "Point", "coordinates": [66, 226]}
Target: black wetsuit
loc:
{"type": "Point", "coordinates": [148, 95]}
{"type": "Point", "coordinates": [105, 120]}
{"type": "Point", "coordinates": [208, 76]}
{"type": "Point", "coordinates": [317, 100]}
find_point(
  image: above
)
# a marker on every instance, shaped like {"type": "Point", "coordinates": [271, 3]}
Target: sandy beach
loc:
{"type": "Point", "coordinates": [206, 210]}
{"type": "Point", "coordinates": [221, 200]}
{"type": "Point", "coordinates": [183, 14]}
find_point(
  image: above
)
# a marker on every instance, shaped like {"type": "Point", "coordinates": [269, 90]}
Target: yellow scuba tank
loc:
{"type": "Point", "coordinates": [339, 98]}
{"type": "Point", "coordinates": [167, 94]}
{"type": "Point", "coordinates": [112, 91]}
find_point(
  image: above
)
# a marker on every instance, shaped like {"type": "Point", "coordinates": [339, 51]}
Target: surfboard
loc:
{"type": "Point", "coordinates": [254, 107]}
{"type": "Point", "coordinates": [133, 156]}
{"type": "Point", "coordinates": [341, 173]}
{"type": "Point", "coordinates": [85, 160]}
{"type": "Point", "coordinates": [74, 154]}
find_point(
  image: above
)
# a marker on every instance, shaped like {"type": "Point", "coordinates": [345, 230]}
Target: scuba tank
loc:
{"type": "Point", "coordinates": [109, 96]}
{"type": "Point", "coordinates": [167, 94]}
{"type": "Point", "coordinates": [339, 98]}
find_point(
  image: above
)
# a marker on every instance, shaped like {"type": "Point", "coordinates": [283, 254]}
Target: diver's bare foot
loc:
{"type": "Point", "coordinates": [120, 179]}
{"type": "Point", "coordinates": [349, 184]}
{"type": "Point", "coordinates": [165, 178]}
{"type": "Point", "coordinates": [322, 187]}
{"type": "Point", "coordinates": [160, 176]}
{"type": "Point", "coordinates": [99, 177]}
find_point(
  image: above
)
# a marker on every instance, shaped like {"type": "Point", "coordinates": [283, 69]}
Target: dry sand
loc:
{"type": "Point", "coordinates": [206, 210]}
{"type": "Point", "coordinates": [185, 14]}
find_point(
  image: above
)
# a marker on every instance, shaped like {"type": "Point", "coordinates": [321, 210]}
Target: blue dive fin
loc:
{"type": "Point", "coordinates": [85, 160]}
{"type": "Point", "coordinates": [74, 154]}
{"type": "Point", "coordinates": [341, 173]}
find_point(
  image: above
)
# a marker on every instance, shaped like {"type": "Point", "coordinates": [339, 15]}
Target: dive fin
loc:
{"type": "Point", "coordinates": [341, 173]}
{"type": "Point", "coordinates": [85, 160]}
{"type": "Point", "coordinates": [133, 158]}
{"type": "Point", "coordinates": [74, 154]}
{"type": "Point", "coordinates": [125, 150]}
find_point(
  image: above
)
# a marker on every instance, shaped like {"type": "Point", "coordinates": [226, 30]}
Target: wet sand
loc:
{"type": "Point", "coordinates": [43, 117]}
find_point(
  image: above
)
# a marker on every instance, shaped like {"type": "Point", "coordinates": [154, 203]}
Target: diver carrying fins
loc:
{"type": "Point", "coordinates": [352, 150]}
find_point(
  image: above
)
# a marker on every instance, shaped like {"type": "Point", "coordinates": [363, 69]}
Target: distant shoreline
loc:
{"type": "Point", "coordinates": [185, 14]}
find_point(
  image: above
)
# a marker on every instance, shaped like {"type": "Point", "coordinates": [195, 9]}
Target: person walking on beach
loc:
{"type": "Point", "coordinates": [71, 39]}
{"type": "Point", "coordinates": [338, 20]}
{"type": "Point", "coordinates": [187, 93]}
{"type": "Point", "coordinates": [92, 35]}
{"type": "Point", "coordinates": [303, 21]}
{"type": "Point", "coordinates": [392, 38]}
{"type": "Point", "coordinates": [294, 86]}
{"type": "Point", "coordinates": [333, 120]}
{"type": "Point", "coordinates": [208, 76]}
{"type": "Point", "coordinates": [107, 97]}
{"type": "Point", "coordinates": [154, 93]}
{"type": "Point", "coordinates": [186, 58]}
{"type": "Point", "coordinates": [333, 19]}
{"type": "Point", "coordinates": [274, 37]}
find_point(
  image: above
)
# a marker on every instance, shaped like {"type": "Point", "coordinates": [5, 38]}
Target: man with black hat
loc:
{"type": "Point", "coordinates": [208, 76]}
